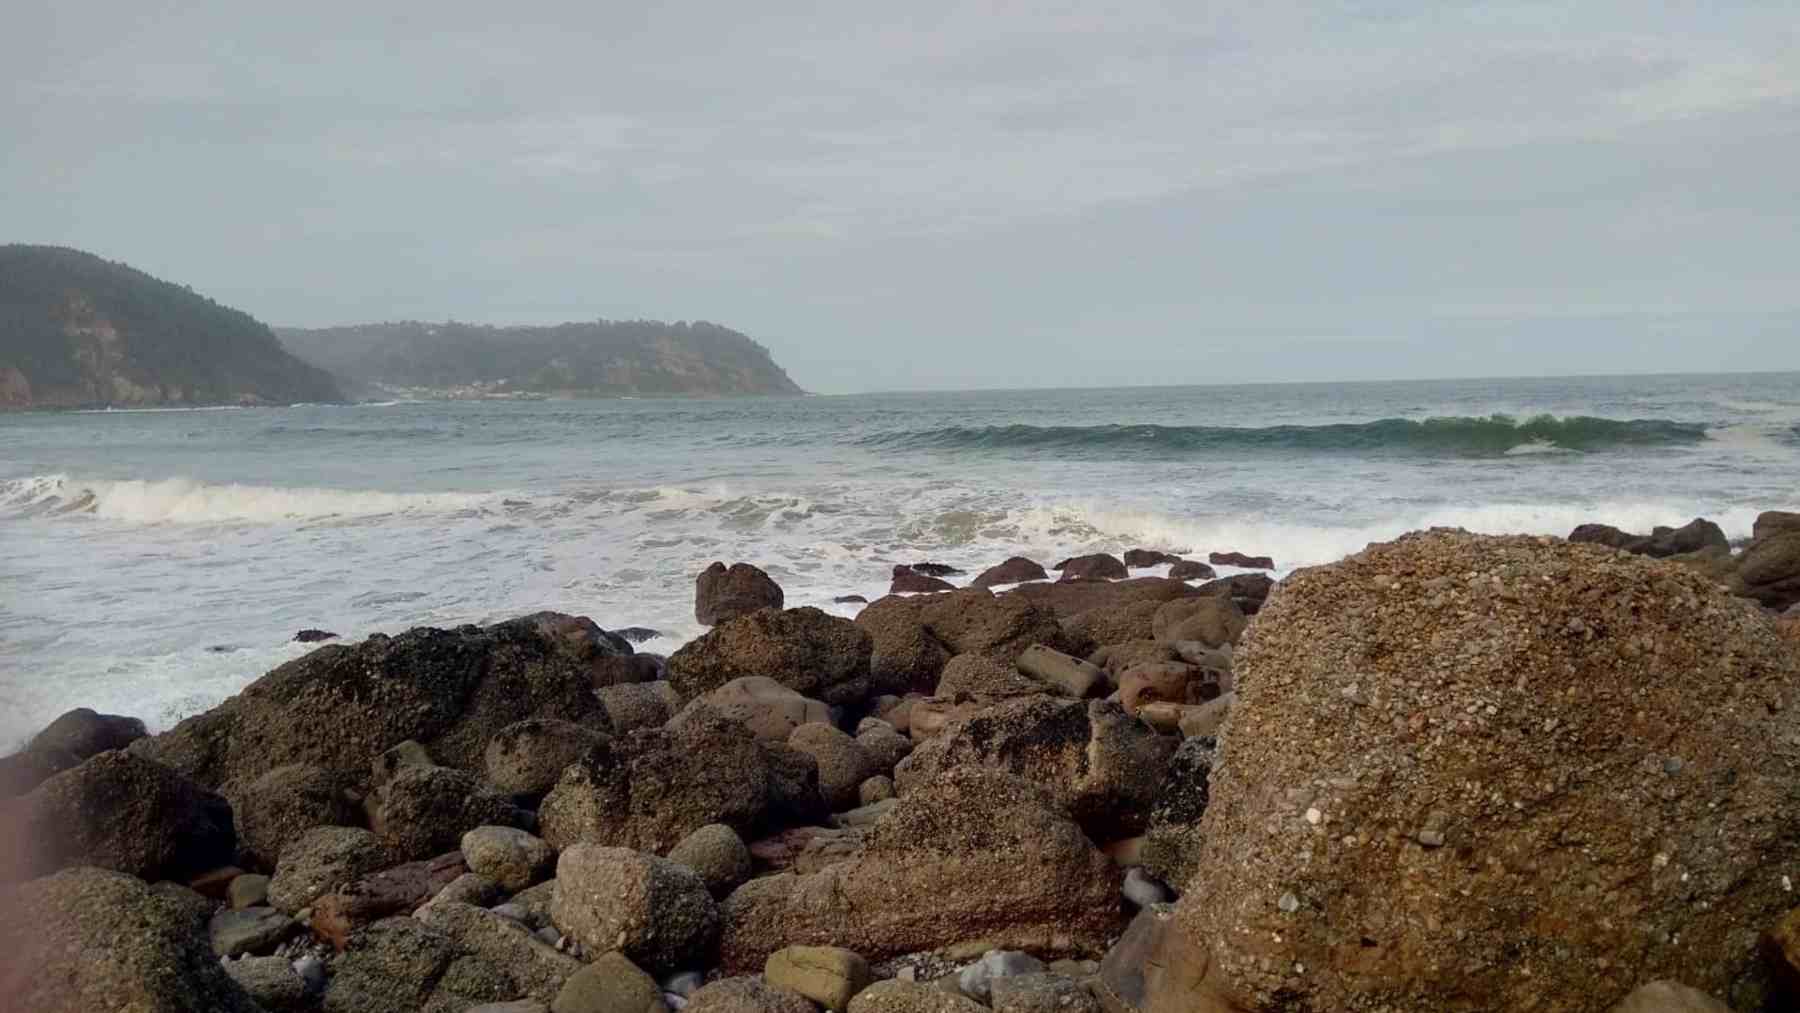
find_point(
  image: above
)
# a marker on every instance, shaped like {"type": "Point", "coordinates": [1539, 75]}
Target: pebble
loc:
{"type": "Point", "coordinates": [684, 983]}
{"type": "Point", "coordinates": [1431, 838]}
{"type": "Point", "coordinates": [1672, 765]}
{"type": "Point", "coordinates": [976, 980]}
{"type": "Point", "coordinates": [311, 970]}
{"type": "Point", "coordinates": [1288, 903]}
{"type": "Point", "coordinates": [1143, 889]}
{"type": "Point", "coordinates": [1314, 816]}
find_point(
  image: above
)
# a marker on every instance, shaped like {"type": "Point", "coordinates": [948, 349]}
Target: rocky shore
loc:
{"type": "Point", "coordinates": [1451, 772]}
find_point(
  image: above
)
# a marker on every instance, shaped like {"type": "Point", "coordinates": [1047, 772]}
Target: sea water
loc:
{"type": "Point", "coordinates": [152, 563]}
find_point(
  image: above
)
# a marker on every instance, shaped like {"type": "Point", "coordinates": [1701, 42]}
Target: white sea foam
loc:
{"type": "Point", "coordinates": [185, 501]}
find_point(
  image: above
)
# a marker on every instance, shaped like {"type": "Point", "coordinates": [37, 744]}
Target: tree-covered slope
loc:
{"type": "Point", "coordinates": [600, 357]}
{"type": "Point", "coordinates": [79, 331]}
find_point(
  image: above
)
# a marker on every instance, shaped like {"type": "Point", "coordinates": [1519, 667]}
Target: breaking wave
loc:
{"type": "Point", "coordinates": [1460, 436]}
{"type": "Point", "coordinates": [185, 501]}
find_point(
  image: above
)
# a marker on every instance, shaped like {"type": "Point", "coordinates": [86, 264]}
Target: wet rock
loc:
{"type": "Point", "coordinates": [809, 651]}
{"type": "Point", "coordinates": [320, 860]}
{"type": "Point", "coordinates": [1015, 570]}
{"type": "Point", "coordinates": [631, 706]}
{"type": "Point", "coordinates": [611, 984]}
{"type": "Point", "coordinates": [828, 975]}
{"type": "Point", "coordinates": [723, 593]}
{"type": "Point", "coordinates": [768, 709]}
{"type": "Point", "coordinates": [1137, 559]}
{"type": "Point", "coordinates": [526, 758]}
{"type": "Point", "coordinates": [911, 997]}
{"type": "Point", "coordinates": [1152, 968]}
{"type": "Point", "coordinates": [1209, 619]}
{"type": "Point", "coordinates": [284, 803]}
{"type": "Point", "coordinates": [314, 636]}
{"type": "Point", "coordinates": [1239, 559]}
{"type": "Point", "coordinates": [347, 906]}
{"type": "Point", "coordinates": [1191, 569]}
{"type": "Point", "coordinates": [450, 690]}
{"type": "Point", "coordinates": [910, 581]}
{"type": "Point", "coordinates": [656, 912]}
{"type": "Point", "coordinates": [1098, 566]}
{"type": "Point", "coordinates": [1064, 600]}
{"type": "Point", "coordinates": [843, 765]}
{"type": "Point", "coordinates": [509, 856]}
{"type": "Point", "coordinates": [1097, 761]}
{"type": "Point", "coordinates": [906, 886]}
{"type": "Point", "coordinates": [425, 811]}
{"type": "Point", "coordinates": [717, 855]}
{"type": "Point", "coordinates": [1375, 689]}
{"type": "Point", "coordinates": [650, 789]}
{"type": "Point", "coordinates": [121, 812]}
{"type": "Point", "coordinates": [82, 733]}
{"type": "Point", "coordinates": [1697, 535]}
{"type": "Point", "coordinates": [86, 939]}
{"type": "Point", "coordinates": [976, 621]}
{"type": "Point", "coordinates": [747, 994]}
{"type": "Point", "coordinates": [254, 930]}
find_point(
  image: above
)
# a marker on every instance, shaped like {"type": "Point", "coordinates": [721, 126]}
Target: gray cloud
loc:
{"type": "Point", "coordinates": [951, 194]}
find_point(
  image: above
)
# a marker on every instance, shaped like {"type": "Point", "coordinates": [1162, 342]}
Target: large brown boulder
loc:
{"type": "Point", "coordinates": [910, 581]}
{"type": "Point", "coordinates": [1095, 566]}
{"type": "Point", "coordinates": [1697, 535]}
{"type": "Point", "coordinates": [651, 788]}
{"type": "Point", "coordinates": [979, 677]}
{"type": "Point", "coordinates": [656, 912]}
{"type": "Point", "coordinates": [1213, 620]}
{"type": "Point", "coordinates": [528, 757]}
{"type": "Point", "coordinates": [276, 808]}
{"type": "Point", "coordinates": [1064, 600]}
{"type": "Point", "coordinates": [977, 621]}
{"type": "Point", "coordinates": [121, 812]}
{"type": "Point", "coordinates": [87, 939]}
{"type": "Point", "coordinates": [807, 650]}
{"type": "Point", "coordinates": [769, 710]}
{"type": "Point", "coordinates": [1015, 570]}
{"type": "Point", "coordinates": [82, 733]}
{"type": "Point", "coordinates": [1769, 569]}
{"type": "Point", "coordinates": [722, 593]}
{"type": "Point", "coordinates": [905, 656]}
{"type": "Point", "coordinates": [340, 705]}
{"type": "Point", "coordinates": [401, 965]}
{"type": "Point", "coordinates": [1115, 624]}
{"type": "Point", "coordinates": [425, 811]}
{"type": "Point", "coordinates": [973, 856]}
{"type": "Point", "coordinates": [1505, 773]}
{"type": "Point", "coordinates": [1097, 762]}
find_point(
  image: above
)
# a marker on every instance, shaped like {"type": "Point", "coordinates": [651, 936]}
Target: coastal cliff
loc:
{"type": "Point", "coordinates": [78, 331]}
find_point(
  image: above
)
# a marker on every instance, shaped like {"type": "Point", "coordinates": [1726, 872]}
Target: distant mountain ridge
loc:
{"type": "Point", "coordinates": [604, 358]}
{"type": "Point", "coordinates": [78, 331]}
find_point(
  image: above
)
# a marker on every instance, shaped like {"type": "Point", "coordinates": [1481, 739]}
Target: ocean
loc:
{"type": "Point", "coordinates": [154, 562]}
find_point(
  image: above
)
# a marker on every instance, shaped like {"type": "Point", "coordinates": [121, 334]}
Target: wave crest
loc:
{"type": "Point", "coordinates": [186, 501]}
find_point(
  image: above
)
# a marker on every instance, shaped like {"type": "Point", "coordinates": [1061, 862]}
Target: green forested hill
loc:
{"type": "Point", "coordinates": [79, 331]}
{"type": "Point", "coordinates": [593, 358]}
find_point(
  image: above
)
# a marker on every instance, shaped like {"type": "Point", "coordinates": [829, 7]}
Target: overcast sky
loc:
{"type": "Point", "coordinates": [930, 194]}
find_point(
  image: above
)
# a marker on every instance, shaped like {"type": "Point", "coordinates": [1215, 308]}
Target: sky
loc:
{"type": "Point", "coordinates": [951, 195]}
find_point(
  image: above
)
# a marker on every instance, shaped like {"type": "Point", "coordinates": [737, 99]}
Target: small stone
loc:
{"type": "Point", "coordinates": [977, 980]}
{"type": "Point", "coordinates": [683, 984]}
{"type": "Point", "coordinates": [311, 970]}
{"type": "Point", "coordinates": [828, 975]}
{"type": "Point", "coordinates": [611, 984]}
{"type": "Point", "coordinates": [875, 789]}
{"type": "Point", "coordinates": [1314, 816]}
{"type": "Point", "coordinates": [1431, 838]}
{"type": "Point", "coordinates": [1288, 903]}
{"type": "Point", "coordinates": [717, 854]}
{"type": "Point", "coordinates": [253, 930]}
{"type": "Point", "coordinates": [510, 857]}
{"type": "Point", "coordinates": [1672, 765]}
{"type": "Point", "coordinates": [271, 981]}
{"type": "Point", "coordinates": [248, 890]}
{"type": "Point", "coordinates": [1143, 889]}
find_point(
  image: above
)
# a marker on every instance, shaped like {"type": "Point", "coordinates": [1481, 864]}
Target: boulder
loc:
{"type": "Point", "coordinates": [121, 812]}
{"type": "Point", "coordinates": [1239, 559]}
{"type": "Point", "coordinates": [247, 890]}
{"type": "Point", "coordinates": [21, 772]}
{"type": "Point", "coordinates": [1099, 763]}
{"type": "Point", "coordinates": [509, 856]}
{"type": "Point", "coordinates": [631, 706]}
{"type": "Point", "coordinates": [348, 906]}
{"type": "Point", "coordinates": [468, 888]}
{"type": "Point", "coordinates": [724, 593]}
{"type": "Point", "coordinates": [284, 803]}
{"type": "Point", "coordinates": [973, 855]}
{"type": "Point", "coordinates": [1769, 569]}
{"type": "Point", "coordinates": [334, 708]}
{"type": "Point", "coordinates": [1114, 624]}
{"type": "Point", "coordinates": [1208, 719]}
{"type": "Point", "coordinates": [979, 677]}
{"type": "Point", "coordinates": [932, 715]}
{"type": "Point", "coordinates": [769, 710]}
{"type": "Point", "coordinates": [649, 789]}
{"type": "Point", "coordinates": [88, 939]}
{"type": "Point", "coordinates": [1191, 569]}
{"type": "Point", "coordinates": [812, 652]}
{"type": "Point", "coordinates": [1045, 992]}
{"type": "Point", "coordinates": [425, 811]}
{"type": "Point", "coordinates": [401, 965]}
{"type": "Point", "coordinates": [976, 621]}
{"type": "Point", "coordinates": [843, 765]}
{"type": "Point", "coordinates": [581, 640]}
{"type": "Point", "coordinates": [895, 996]}
{"type": "Point", "coordinates": [82, 733]}
{"type": "Point", "coordinates": [321, 859]}
{"type": "Point", "coordinates": [1064, 600]}
{"type": "Point", "coordinates": [313, 635]}
{"type": "Point", "coordinates": [910, 581]}
{"type": "Point", "coordinates": [1210, 619]}
{"type": "Point", "coordinates": [1247, 591]}
{"type": "Point", "coordinates": [1698, 535]}
{"type": "Point", "coordinates": [654, 911]}
{"type": "Point", "coordinates": [747, 994]}
{"type": "Point", "coordinates": [1771, 522]}
{"type": "Point", "coordinates": [1097, 566]}
{"type": "Point", "coordinates": [1669, 997]}
{"type": "Point", "coordinates": [1116, 659]}
{"type": "Point", "coordinates": [875, 789]}
{"type": "Point", "coordinates": [1170, 682]}
{"type": "Point", "coordinates": [884, 746]}
{"type": "Point", "coordinates": [611, 984]}
{"type": "Point", "coordinates": [977, 980]}
{"type": "Point", "coordinates": [904, 655]}
{"type": "Point", "coordinates": [384, 767]}
{"type": "Point", "coordinates": [1015, 570]}
{"type": "Point", "coordinates": [794, 795]}
{"type": "Point", "coordinates": [536, 968]}
{"type": "Point", "coordinates": [717, 855]}
{"type": "Point", "coordinates": [255, 930]}
{"type": "Point", "coordinates": [270, 982]}
{"type": "Point", "coordinates": [1172, 839]}
{"type": "Point", "coordinates": [526, 758]}
{"type": "Point", "coordinates": [828, 975]}
{"type": "Point", "coordinates": [931, 569]}
{"type": "Point", "coordinates": [1137, 559]}
{"type": "Point", "coordinates": [1565, 680]}
{"type": "Point", "coordinates": [1062, 674]}
{"type": "Point", "coordinates": [1152, 968]}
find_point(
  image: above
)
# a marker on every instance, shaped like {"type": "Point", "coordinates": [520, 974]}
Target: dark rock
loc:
{"type": "Point", "coordinates": [425, 811]}
{"type": "Point", "coordinates": [904, 655]}
{"type": "Point", "coordinates": [319, 861]}
{"type": "Point", "coordinates": [1172, 840]}
{"type": "Point", "coordinates": [82, 733]}
{"type": "Point", "coordinates": [271, 982]}
{"type": "Point", "coordinates": [88, 939]}
{"type": "Point", "coordinates": [651, 788]}
{"type": "Point", "coordinates": [1115, 624]}
{"type": "Point", "coordinates": [1097, 566]}
{"type": "Point", "coordinates": [400, 965]}
{"type": "Point", "coordinates": [510, 857]}
{"type": "Point", "coordinates": [120, 812]}
{"type": "Point", "coordinates": [1064, 600]}
{"type": "Point", "coordinates": [279, 806]}
{"type": "Point", "coordinates": [1769, 569]}
{"type": "Point", "coordinates": [537, 969]}
{"type": "Point", "coordinates": [341, 704]}
{"type": "Point", "coordinates": [1246, 590]}
{"type": "Point", "coordinates": [910, 581]}
{"type": "Point", "coordinates": [979, 677]}
{"type": "Point", "coordinates": [384, 767]}
{"type": "Point", "coordinates": [638, 634]}
{"type": "Point", "coordinates": [1771, 522]}
{"type": "Point", "coordinates": [1191, 569]}
{"type": "Point", "coordinates": [935, 569]}
{"type": "Point", "coordinates": [794, 793]}
{"type": "Point", "coordinates": [626, 669]}
{"type": "Point", "coordinates": [843, 764]}
{"type": "Point", "coordinates": [1100, 764]}
{"type": "Point", "coordinates": [1137, 559]}
{"type": "Point", "coordinates": [256, 930]}
{"type": "Point", "coordinates": [631, 706]}
{"type": "Point", "coordinates": [1016, 570]}
{"type": "Point", "coordinates": [850, 599]}
{"type": "Point", "coordinates": [21, 772]}
{"type": "Point", "coordinates": [766, 708]}
{"type": "Point", "coordinates": [312, 636]}
{"type": "Point", "coordinates": [341, 913]}
{"type": "Point", "coordinates": [976, 621]}
{"type": "Point", "coordinates": [1697, 535]}
{"type": "Point", "coordinates": [1212, 620]}
{"type": "Point", "coordinates": [723, 593]}
{"type": "Point", "coordinates": [527, 758]}
{"type": "Point", "coordinates": [813, 652]}
{"type": "Point", "coordinates": [1239, 559]}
